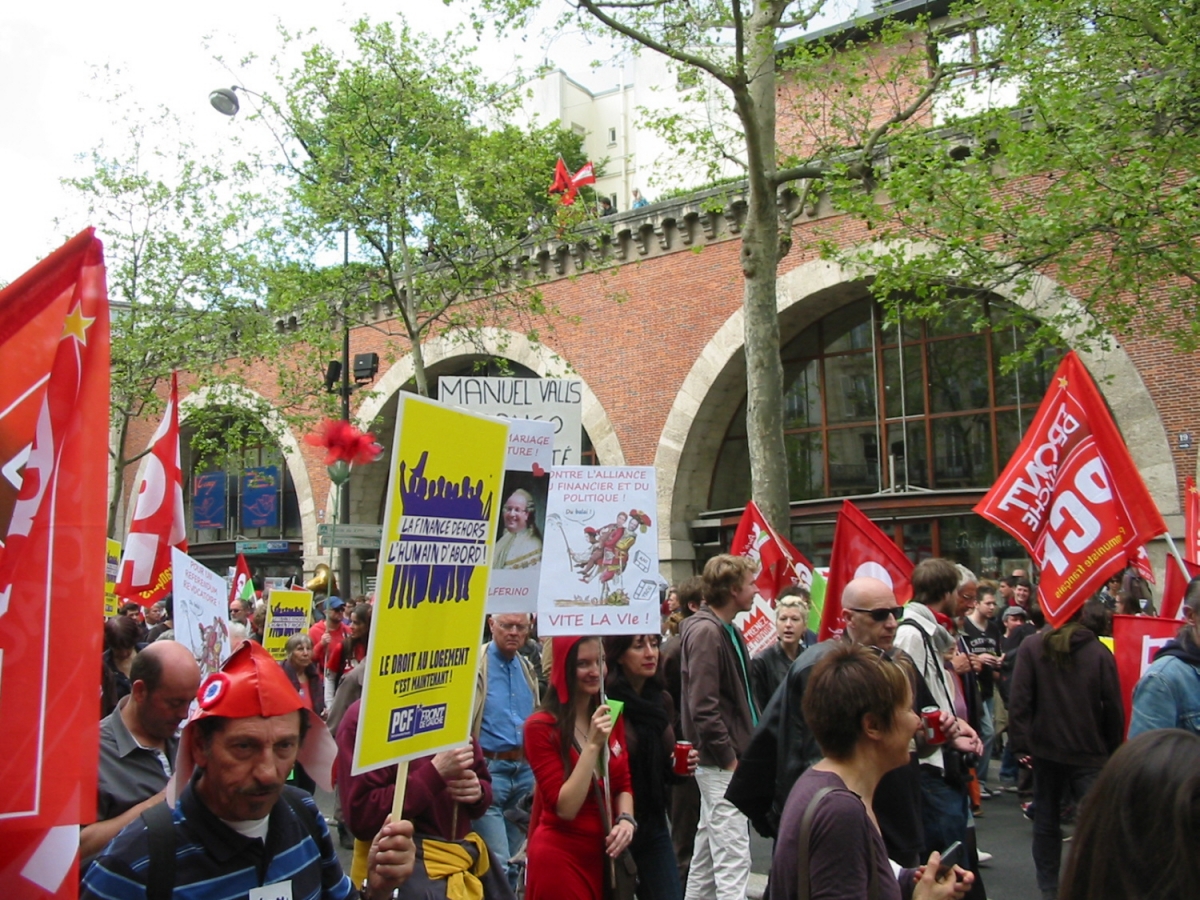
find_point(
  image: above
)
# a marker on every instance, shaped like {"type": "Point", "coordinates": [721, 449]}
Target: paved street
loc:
{"type": "Point", "coordinates": [1002, 831]}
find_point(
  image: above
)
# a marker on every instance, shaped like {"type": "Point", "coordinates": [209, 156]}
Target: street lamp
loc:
{"type": "Point", "coordinates": [225, 101]}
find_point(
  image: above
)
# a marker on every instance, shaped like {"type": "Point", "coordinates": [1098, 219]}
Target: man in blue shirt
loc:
{"type": "Point", "coordinates": [1168, 694]}
{"type": "Point", "coordinates": [505, 694]}
{"type": "Point", "coordinates": [226, 835]}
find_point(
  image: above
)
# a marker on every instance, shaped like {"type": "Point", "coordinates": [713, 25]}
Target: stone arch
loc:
{"type": "Point", "coordinates": [696, 424]}
{"type": "Point", "coordinates": [236, 395]}
{"type": "Point", "coordinates": [508, 345]}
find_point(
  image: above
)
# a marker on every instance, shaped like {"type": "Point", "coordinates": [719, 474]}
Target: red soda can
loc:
{"type": "Point", "coordinates": [931, 716]}
{"type": "Point", "coordinates": [682, 749]}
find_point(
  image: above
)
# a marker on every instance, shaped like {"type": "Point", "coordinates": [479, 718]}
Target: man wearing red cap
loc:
{"type": "Point", "coordinates": [227, 835]}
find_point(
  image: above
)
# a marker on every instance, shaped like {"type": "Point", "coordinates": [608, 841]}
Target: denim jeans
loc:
{"type": "Point", "coordinates": [1054, 782]}
{"type": "Point", "coordinates": [658, 875]}
{"type": "Point", "coordinates": [511, 780]}
{"type": "Point", "coordinates": [987, 734]}
{"type": "Point", "coordinates": [944, 811]}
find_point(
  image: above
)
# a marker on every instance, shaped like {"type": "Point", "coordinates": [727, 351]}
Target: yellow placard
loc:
{"type": "Point", "coordinates": [288, 612]}
{"type": "Point", "coordinates": [443, 504]}
{"type": "Point", "coordinates": [1107, 642]}
{"type": "Point", "coordinates": [112, 564]}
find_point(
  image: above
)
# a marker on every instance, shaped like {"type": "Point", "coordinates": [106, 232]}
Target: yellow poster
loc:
{"type": "Point", "coordinates": [111, 565]}
{"type": "Point", "coordinates": [288, 613]}
{"type": "Point", "coordinates": [444, 498]}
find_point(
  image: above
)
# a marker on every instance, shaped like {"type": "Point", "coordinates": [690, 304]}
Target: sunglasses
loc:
{"type": "Point", "coordinates": [881, 614]}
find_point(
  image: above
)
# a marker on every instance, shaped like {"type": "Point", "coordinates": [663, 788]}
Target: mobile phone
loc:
{"type": "Point", "coordinates": [952, 856]}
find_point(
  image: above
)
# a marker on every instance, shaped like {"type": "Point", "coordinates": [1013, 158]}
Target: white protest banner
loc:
{"type": "Point", "coordinates": [558, 401]}
{"type": "Point", "coordinates": [757, 625]}
{"type": "Point", "coordinates": [600, 556]}
{"type": "Point", "coordinates": [198, 602]}
{"type": "Point", "coordinates": [517, 563]}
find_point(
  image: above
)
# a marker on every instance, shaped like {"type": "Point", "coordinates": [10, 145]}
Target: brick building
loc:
{"type": "Point", "coordinates": [913, 423]}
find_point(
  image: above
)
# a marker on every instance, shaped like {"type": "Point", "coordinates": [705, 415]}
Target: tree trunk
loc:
{"type": "Point", "coordinates": [117, 484]}
{"type": "Point", "coordinates": [760, 257]}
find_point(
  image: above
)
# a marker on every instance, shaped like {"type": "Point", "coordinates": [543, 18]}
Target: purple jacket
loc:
{"type": "Point", "coordinates": [367, 799]}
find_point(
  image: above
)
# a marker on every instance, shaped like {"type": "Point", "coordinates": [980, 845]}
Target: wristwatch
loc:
{"type": "Point", "coordinates": [626, 817]}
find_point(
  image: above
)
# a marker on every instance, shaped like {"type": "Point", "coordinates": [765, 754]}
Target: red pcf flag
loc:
{"type": "Point", "coordinates": [585, 175]}
{"type": "Point", "coordinates": [562, 179]}
{"type": "Point", "coordinates": [860, 550]}
{"type": "Point", "coordinates": [53, 514]}
{"type": "Point", "coordinates": [1141, 562]}
{"type": "Point", "coordinates": [1174, 587]}
{"type": "Point", "coordinates": [1191, 521]}
{"type": "Point", "coordinates": [1135, 641]}
{"type": "Point", "coordinates": [780, 564]}
{"type": "Point", "coordinates": [145, 573]}
{"type": "Point", "coordinates": [1072, 495]}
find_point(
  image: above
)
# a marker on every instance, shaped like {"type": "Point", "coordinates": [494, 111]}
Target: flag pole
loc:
{"type": "Point", "coordinates": [1175, 553]}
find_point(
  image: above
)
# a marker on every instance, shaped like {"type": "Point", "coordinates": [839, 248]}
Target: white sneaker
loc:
{"type": "Point", "coordinates": [984, 857]}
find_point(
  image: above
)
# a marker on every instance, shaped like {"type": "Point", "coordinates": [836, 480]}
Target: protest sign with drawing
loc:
{"type": "Point", "coordinates": [517, 563]}
{"type": "Point", "coordinates": [600, 557]}
{"type": "Point", "coordinates": [288, 612]}
{"type": "Point", "coordinates": [201, 614]}
{"type": "Point", "coordinates": [112, 562]}
{"type": "Point", "coordinates": [444, 499]}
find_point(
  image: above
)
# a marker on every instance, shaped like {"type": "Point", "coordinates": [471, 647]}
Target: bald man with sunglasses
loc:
{"type": "Point", "coordinates": [784, 745]}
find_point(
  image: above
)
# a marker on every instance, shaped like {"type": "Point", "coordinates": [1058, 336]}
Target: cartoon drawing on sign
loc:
{"type": "Point", "coordinates": [443, 537]}
{"type": "Point", "coordinates": [608, 556]}
{"type": "Point", "coordinates": [212, 639]}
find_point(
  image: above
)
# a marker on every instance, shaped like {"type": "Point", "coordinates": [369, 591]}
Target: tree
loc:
{"type": "Point", "coordinates": [388, 146]}
{"type": "Point", "coordinates": [1091, 173]}
{"type": "Point", "coordinates": [186, 250]}
{"type": "Point", "coordinates": [842, 98]}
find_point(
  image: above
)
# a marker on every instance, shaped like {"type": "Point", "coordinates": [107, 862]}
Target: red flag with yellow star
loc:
{"type": "Point", "coordinates": [1072, 495]}
{"type": "Point", "coordinates": [53, 513]}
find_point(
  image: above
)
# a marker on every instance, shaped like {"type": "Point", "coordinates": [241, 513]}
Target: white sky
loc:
{"type": "Point", "coordinates": [55, 110]}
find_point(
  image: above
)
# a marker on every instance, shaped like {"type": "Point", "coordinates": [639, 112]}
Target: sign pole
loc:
{"type": "Point", "coordinates": [401, 784]}
{"type": "Point", "coordinates": [1175, 553]}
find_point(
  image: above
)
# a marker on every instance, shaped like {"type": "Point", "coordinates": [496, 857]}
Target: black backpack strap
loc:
{"type": "Point", "coordinates": [160, 835]}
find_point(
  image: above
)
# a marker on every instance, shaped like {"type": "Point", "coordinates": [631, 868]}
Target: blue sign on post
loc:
{"type": "Point", "coordinates": [208, 500]}
{"type": "Point", "coordinates": [260, 497]}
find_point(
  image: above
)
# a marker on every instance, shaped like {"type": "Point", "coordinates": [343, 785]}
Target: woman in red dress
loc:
{"type": "Point", "coordinates": [563, 743]}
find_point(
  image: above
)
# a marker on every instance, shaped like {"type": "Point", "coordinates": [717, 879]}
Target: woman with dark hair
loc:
{"type": "Point", "coordinates": [634, 680]}
{"type": "Point", "coordinates": [858, 704]}
{"type": "Point", "coordinates": [121, 642]}
{"type": "Point", "coordinates": [570, 830]}
{"type": "Point", "coordinates": [1138, 834]}
{"type": "Point", "coordinates": [346, 655]}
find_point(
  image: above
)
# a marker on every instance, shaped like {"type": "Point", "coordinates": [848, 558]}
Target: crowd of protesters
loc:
{"type": "Point", "coordinates": [635, 765]}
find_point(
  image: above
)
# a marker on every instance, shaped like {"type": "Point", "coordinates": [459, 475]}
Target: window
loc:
{"type": "Point", "coordinates": [612, 137]}
{"type": "Point", "coordinates": [869, 407]}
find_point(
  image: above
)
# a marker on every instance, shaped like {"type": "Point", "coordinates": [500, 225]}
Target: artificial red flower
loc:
{"type": "Point", "coordinates": [344, 443]}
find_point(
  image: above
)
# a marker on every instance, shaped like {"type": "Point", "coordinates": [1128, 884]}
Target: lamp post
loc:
{"type": "Point", "coordinates": [225, 101]}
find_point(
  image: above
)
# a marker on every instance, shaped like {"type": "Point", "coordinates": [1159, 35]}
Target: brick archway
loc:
{"type": "Point", "coordinates": [715, 385]}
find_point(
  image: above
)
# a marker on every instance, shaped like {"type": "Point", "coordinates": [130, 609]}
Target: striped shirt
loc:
{"type": "Point", "coordinates": [214, 862]}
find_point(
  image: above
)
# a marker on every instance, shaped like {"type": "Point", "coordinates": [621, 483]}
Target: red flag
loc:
{"type": "Point", "coordinates": [1141, 562]}
{"type": "Point", "coordinates": [53, 514]}
{"type": "Point", "coordinates": [1072, 495]}
{"type": "Point", "coordinates": [562, 178]}
{"type": "Point", "coordinates": [1135, 641]}
{"type": "Point", "coordinates": [1174, 587]}
{"type": "Point", "coordinates": [861, 549]}
{"type": "Point", "coordinates": [780, 564]}
{"type": "Point", "coordinates": [1191, 521]}
{"type": "Point", "coordinates": [145, 573]}
{"type": "Point", "coordinates": [241, 577]}
{"type": "Point", "coordinates": [585, 175]}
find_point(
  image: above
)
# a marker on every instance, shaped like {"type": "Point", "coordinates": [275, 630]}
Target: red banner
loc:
{"type": "Point", "coordinates": [859, 550]}
{"type": "Point", "coordinates": [1141, 562]}
{"type": "Point", "coordinates": [1072, 495]}
{"type": "Point", "coordinates": [1174, 587]}
{"type": "Point", "coordinates": [53, 513]}
{"type": "Point", "coordinates": [1191, 522]}
{"type": "Point", "coordinates": [780, 564]}
{"type": "Point", "coordinates": [145, 573]}
{"type": "Point", "coordinates": [1135, 641]}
